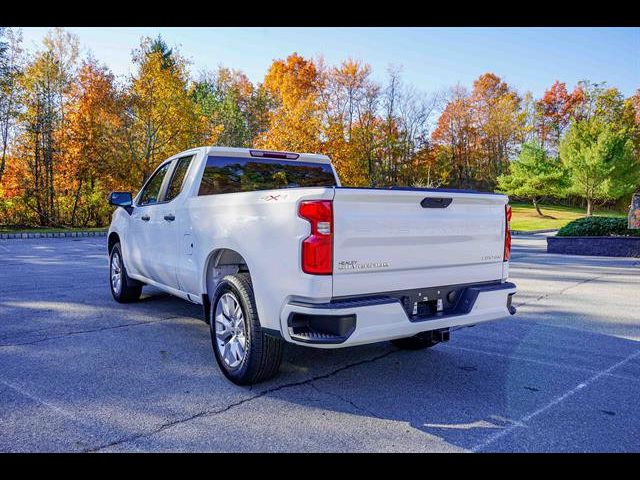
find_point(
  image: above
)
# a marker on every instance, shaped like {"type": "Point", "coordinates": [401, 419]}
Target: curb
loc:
{"type": "Point", "coordinates": [533, 232]}
{"type": "Point", "coordinates": [20, 236]}
{"type": "Point", "coordinates": [613, 246]}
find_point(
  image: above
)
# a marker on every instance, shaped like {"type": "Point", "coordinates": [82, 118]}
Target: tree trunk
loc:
{"type": "Point", "coordinates": [589, 207]}
{"type": "Point", "coordinates": [75, 204]}
{"type": "Point", "coordinates": [6, 121]}
{"type": "Point", "coordinates": [537, 207]}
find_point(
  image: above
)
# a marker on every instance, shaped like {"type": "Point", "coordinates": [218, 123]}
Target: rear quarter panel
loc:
{"type": "Point", "coordinates": [265, 229]}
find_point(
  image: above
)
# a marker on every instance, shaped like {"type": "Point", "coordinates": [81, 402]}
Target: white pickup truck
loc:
{"type": "Point", "coordinates": [277, 251]}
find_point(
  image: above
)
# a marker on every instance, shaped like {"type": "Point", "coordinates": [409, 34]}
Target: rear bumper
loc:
{"type": "Point", "coordinates": [360, 321]}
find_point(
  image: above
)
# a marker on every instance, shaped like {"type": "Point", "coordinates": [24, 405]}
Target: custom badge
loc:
{"type": "Point", "coordinates": [356, 265]}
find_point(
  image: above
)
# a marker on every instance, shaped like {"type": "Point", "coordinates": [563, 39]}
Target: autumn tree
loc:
{"type": "Point", "coordinates": [295, 121]}
{"type": "Point", "coordinates": [350, 99]}
{"type": "Point", "coordinates": [528, 119]}
{"type": "Point", "coordinates": [35, 145]}
{"type": "Point", "coordinates": [635, 102]}
{"type": "Point", "coordinates": [10, 67]}
{"type": "Point", "coordinates": [64, 48]}
{"type": "Point", "coordinates": [160, 117]}
{"type": "Point", "coordinates": [496, 115]}
{"type": "Point", "coordinates": [234, 108]}
{"type": "Point", "coordinates": [388, 147]}
{"type": "Point", "coordinates": [260, 105]}
{"type": "Point", "coordinates": [455, 137]}
{"type": "Point", "coordinates": [405, 126]}
{"type": "Point", "coordinates": [415, 111]}
{"type": "Point", "coordinates": [557, 108]}
{"type": "Point", "coordinates": [432, 169]}
{"type": "Point", "coordinates": [478, 132]}
{"type": "Point", "coordinates": [44, 88]}
{"type": "Point", "coordinates": [534, 175]}
{"type": "Point", "coordinates": [94, 149]}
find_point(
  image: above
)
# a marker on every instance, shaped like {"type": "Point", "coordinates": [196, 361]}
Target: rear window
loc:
{"type": "Point", "coordinates": [234, 174]}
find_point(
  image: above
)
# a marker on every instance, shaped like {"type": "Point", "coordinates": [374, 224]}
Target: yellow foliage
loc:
{"type": "Point", "coordinates": [295, 123]}
{"type": "Point", "coordinates": [161, 119]}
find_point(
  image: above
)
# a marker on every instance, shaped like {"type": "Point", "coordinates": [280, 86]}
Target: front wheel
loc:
{"type": "Point", "coordinates": [245, 354]}
{"type": "Point", "coordinates": [123, 288]}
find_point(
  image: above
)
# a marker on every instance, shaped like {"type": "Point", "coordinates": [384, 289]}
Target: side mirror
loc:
{"type": "Point", "coordinates": [121, 199]}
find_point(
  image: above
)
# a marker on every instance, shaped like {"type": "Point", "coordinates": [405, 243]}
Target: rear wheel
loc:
{"type": "Point", "coordinates": [245, 354]}
{"type": "Point", "coordinates": [123, 288]}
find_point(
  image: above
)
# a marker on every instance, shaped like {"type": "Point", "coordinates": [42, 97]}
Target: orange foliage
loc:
{"type": "Point", "coordinates": [478, 131]}
{"type": "Point", "coordinates": [557, 106]}
{"type": "Point", "coordinates": [294, 124]}
{"type": "Point", "coordinates": [79, 134]}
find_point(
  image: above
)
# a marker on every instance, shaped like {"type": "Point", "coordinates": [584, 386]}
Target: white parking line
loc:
{"type": "Point", "coordinates": [23, 392]}
{"type": "Point", "coordinates": [522, 421]}
{"type": "Point", "coordinates": [539, 362]}
{"type": "Point", "coordinates": [523, 359]}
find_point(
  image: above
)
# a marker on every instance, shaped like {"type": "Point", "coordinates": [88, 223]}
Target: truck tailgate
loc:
{"type": "Point", "coordinates": [389, 240]}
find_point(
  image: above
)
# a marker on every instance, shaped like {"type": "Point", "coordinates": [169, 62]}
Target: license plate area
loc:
{"type": "Point", "coordinates": [425, 303]}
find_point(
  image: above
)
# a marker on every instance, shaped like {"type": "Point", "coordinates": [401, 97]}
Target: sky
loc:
{"type": "Point", "coordinates": [432, 59]}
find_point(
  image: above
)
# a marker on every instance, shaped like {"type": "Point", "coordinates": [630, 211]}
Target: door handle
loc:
{"type": "Point", "coordinates": [145, 218]}
{"type": "Point", "coordinates": [169, 217]}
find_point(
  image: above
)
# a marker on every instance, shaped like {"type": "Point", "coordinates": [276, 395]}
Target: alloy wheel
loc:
{"type": "Point", "coordinates": [230, 330]}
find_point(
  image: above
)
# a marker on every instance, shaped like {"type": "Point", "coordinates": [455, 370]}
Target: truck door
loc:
{"type": "Point", "coordinates": [166, 247]}
{"type": "Point", "coordinates": [139, 244]}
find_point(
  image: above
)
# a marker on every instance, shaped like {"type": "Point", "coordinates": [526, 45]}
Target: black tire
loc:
{"type": "Point", "coordinates": [417, 342]}
{"type": "Point", "coordinates": [263, 353]}
{"type": "Point", "coordinates": [130, 289]}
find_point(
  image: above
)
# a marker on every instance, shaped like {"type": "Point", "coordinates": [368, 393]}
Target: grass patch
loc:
{"type": "Point", "coordinates": [19, 229]}
{"type": "Point", "coordinates": [525, 218]}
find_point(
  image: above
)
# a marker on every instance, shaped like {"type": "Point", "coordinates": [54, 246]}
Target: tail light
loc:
{"type": "Point", "coordinates": [317, 248]}
{"type": "Point", "coordinates": [507, 232]}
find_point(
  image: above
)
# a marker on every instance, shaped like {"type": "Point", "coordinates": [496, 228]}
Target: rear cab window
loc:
{"type": "Point", "coordinates": [237, 174]}
{"type": "Point", "coordinates": [177, 178]}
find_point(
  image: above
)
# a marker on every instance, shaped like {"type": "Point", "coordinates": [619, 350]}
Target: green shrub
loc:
{"type": "Point", "coordinates": [597, 227]}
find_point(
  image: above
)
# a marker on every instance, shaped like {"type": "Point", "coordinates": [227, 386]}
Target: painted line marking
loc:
{"type": "Point", "coordinates": [540, 362]}
{"type": "Point", "coordinates": [524, 359]}
{"type": "Point", "coordinates": [39, 400]}
{"type": "Point", "coordinates": [556, 401]}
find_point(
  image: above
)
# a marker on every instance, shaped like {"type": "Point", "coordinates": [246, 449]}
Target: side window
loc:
{"type": "Point", "coordinates": [177, 179]}
{"type": "Point", "coordinates": [151, 191]}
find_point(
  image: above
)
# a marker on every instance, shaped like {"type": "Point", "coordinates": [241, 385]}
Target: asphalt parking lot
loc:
{"type": "Point", "coordinates": [79, 372]}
